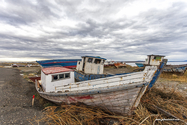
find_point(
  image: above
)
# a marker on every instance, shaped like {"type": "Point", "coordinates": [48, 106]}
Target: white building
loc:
{"type": "Point", "coordinates": [53, 77]}
{"type": "Point", "coordinates": [153, 60]}
{"type": "Point", "coordinates": [91, 65]}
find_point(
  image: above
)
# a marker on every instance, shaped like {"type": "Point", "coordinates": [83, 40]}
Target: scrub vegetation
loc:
{"type": "Point", "coordinates": [175, 77]}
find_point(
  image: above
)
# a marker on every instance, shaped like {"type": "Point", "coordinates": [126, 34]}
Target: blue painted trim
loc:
{"type": "Point", "coordinates": [58, 62]}
{"type": "Point", "coordinates": [84, 77]}
{"type": "Point", "coordinates": [156, 75]}
{"type": "Point", "coordinates": [140, 64]}
{"type": "Point", "coordinates": [97, 57]}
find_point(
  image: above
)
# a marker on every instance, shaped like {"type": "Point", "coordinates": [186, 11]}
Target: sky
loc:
{"type": "Point", "coordinates": [113, 29]}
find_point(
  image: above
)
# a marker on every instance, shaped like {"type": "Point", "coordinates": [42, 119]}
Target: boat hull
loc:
{"type": "Point", "coordinates": [140, 64]}
{"type": "Point", "coordinates": [123, 101]}
{"type": "Point", "coordinates": [181, 69]}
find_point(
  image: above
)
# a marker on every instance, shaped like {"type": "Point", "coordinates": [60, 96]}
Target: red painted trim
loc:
{"type": "Point", "coordinates": [75, 99]}
{"type": "Point", "coordinates": [52, 70]}
{"type": "Point", "coordinates": [72, 99]}
{"type": "Point", "coordinates": [70, 66]}
{"type": "Point", "coordinates": [84, 97]}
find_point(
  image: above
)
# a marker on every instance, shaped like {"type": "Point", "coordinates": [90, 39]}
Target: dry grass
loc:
{"type": "Point", "coordinates": [170, 101]}
{"type": "Point", "coordinates": [174, 77]}
{"type": "Point", "coordinates": [145, 114]}
{"type": "Point", "coordinates": [81, 115]}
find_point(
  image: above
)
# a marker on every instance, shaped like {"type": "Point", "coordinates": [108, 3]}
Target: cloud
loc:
{"type": "Point", "coordinates": [115, 30]}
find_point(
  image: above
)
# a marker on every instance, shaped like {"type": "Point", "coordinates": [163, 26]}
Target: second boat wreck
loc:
{"type": "Point", "coordinates": [119, 93]}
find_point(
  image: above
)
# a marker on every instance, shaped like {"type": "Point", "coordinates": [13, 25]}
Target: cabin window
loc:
{"type": "Point", "coordinates": [158, 57]}
{"type": "Point", "coordinates": [60, 76]}
{"type": "Point", "coordinates": [67, 75]}
{"type": "Point", "coordinates": [90, 60]}
{"type": "Point", "coordinates": [97, 61]}
{"type": "Point", "coordinates": [55, 77]}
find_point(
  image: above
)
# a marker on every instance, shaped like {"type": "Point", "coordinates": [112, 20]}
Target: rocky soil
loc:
{"type": "Point", "coordinates": [16, 97]}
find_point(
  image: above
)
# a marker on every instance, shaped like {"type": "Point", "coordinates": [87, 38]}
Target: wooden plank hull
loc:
{"type": "Point", "coordinates": [175, 68]}
{"type": "Point", "coordinates": [122, 101]}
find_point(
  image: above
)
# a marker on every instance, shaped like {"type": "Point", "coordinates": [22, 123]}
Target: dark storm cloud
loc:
{"type": "Point", "coordinates": [64, 29]}
{"type": "Point", "coordinates": [21, 12]}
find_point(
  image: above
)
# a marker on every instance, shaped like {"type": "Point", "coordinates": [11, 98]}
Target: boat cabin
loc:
{"type": "Point", "coordinates": [91, 65]}
{"type": "Point", "coordinates": [54, 77]}
{"type": "Point", "coordinates": [153, 59]}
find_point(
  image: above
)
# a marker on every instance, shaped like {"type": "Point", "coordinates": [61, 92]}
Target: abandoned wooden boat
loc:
{"type": "Point", "coordinates": [139, 64]}
{"type": "Point", "coordinates": [155, 59]}
{"type": "Point", "coordinates": [118, 93]}
{"type": "Point", "coordinates": [178, 69]}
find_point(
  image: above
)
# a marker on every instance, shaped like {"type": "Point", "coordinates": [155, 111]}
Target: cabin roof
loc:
{"type": "Point", "coordinates": [97, 57]}
{"type": "Point", "coordinates": [156, 55]}
{"type": "Point", "coordinates": [52, 70]}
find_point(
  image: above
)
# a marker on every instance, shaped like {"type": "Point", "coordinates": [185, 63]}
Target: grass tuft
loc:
{"type": "Point", "coordinates": [175, 77]}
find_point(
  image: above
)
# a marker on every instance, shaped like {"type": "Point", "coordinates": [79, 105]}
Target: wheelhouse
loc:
{"type": "Point", "coordinates": [91, 65]}
{"type": "Point", "coordinates": [153, 59]}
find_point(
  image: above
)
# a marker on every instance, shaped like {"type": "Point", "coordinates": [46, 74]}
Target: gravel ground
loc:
{"type": "Point", "coordinates": [16, 97]}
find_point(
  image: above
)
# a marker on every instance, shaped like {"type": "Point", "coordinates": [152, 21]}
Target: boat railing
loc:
{"type": "Point", "coordinates": [110, 81]}
{"type": "Point", "coordinates": [89, 87]}
{"type": "Point", "coordinates": [107, 79]}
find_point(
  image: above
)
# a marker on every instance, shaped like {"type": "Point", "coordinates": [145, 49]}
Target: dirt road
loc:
{"type": "Point", "coordinates": [15, 98]}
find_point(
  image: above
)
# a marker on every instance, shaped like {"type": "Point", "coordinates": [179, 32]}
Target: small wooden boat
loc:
{"type": "Point", "coordinates": [118, 93]}
{"type": "Point", "coordinates": [140, 64]}
{"type": "Point", "coordinates": [120, 65]}
{"type": "Point", "coordinates": [178, 69]}
{"type": "Point", "coordinates": [155, 59]}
